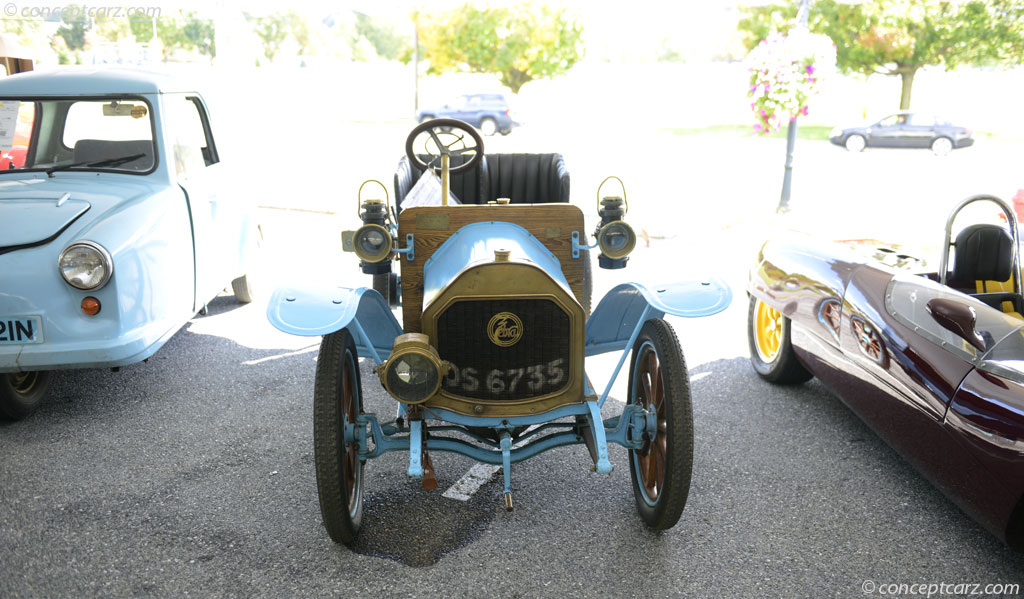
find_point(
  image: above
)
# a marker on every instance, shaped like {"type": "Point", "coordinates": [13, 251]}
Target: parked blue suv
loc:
{"type": "Point", "coordinates": [486, 112]}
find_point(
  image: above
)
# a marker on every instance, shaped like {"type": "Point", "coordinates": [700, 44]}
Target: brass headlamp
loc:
{"type": "Point", "coordinates": [615, 238]}
{"type": "Point", "coordinates": [412, 373]}
{"type": "Point", "coordinates": [372, 242]}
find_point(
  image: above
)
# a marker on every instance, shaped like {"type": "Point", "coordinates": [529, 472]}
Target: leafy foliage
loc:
{"type": "Point", "coordinates": [518, 43]}
{"type": "Point", "coordinates": [387, 42]}
{"type": "Point", "coordinates": [272, 31]}
{"type": "Point", "coordinates": [899, 37]}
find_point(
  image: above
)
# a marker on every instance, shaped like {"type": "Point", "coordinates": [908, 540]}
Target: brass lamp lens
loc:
{"type": "Point", "coordinates": [372, 243]}
{"type": "Point", "coordinates": [616, 239]}
{"type": "Point", "coordinates": [412, 378]}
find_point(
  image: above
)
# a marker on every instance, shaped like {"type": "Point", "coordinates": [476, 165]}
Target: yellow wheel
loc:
{"type": "Point", "coordinates": [767, 331]}
{"type": "Point", "coordinates": [771, 351]}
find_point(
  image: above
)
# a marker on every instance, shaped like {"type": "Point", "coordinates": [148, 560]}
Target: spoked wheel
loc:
{"type": "Point", "coordinates": [662, 468]}
{"type": "Point", "coordinates": [22, 392]}
{"type": "Point", "coordinates": [771, 351]}
{"type": "Point", "coordinates": [337, 400]}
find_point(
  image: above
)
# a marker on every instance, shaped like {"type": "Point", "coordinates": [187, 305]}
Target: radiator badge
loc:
{"type": "Point", "coordinates": [505, 329]}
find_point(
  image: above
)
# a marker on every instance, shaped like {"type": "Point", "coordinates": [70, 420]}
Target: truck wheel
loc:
{"type": "Point", "coordinates": [337, 401]}
{"type": "Point", "coordinates": [243, 289]}
{"type": "Point", "coordinates": [662, 467]}
{"type": "Point", "coordinates": [22, 392]}
{"type": "Point", "coordinates": [771, 351]}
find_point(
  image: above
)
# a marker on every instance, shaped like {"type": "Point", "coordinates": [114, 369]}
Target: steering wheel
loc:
{"type": "Point", "coordinates": [444, 136]}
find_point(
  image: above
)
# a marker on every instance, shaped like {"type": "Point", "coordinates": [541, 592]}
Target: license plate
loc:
{"type": "Point", "coordinates": [21, 330]}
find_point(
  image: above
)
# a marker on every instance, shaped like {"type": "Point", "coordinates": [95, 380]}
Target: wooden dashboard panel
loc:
{"type": "Point", "coordinates": [431, 226]}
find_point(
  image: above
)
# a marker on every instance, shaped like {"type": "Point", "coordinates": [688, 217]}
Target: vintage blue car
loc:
{"type": "Point", "coordinates": [112, 230]}
{"type": "Point", "coordinates": [489, 359]}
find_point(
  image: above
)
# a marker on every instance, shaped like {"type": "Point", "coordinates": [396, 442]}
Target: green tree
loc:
{"type": "Point", "coordinates": [272, 31]}
{"type": "Point", "coordinates": [899, 37]}
{"type": "Point", "coordinates": [387, 42]}
{"type": "Point", "coordinates": [518, 44]}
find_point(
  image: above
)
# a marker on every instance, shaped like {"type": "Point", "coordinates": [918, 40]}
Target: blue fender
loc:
{"type": "Point", "coordinates": [615, 320]}
{"type": "Point", "coordinates": [321, 311]}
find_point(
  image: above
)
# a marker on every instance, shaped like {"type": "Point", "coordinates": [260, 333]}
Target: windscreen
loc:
{"type": "Point", "coordinates": [75, 134]}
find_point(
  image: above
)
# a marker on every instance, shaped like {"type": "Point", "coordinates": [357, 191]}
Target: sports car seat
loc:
{"type": "Point", "coordinates": [983, 266]}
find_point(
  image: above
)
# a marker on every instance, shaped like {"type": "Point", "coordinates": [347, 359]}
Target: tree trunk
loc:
{"type": "Point", "coordinates": [514, 79]}
{"type": "Point", "coordinates": [907, 77]}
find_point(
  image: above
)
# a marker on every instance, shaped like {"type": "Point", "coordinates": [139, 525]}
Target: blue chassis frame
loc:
{"type": "Point", "coordinates": [632, 424]}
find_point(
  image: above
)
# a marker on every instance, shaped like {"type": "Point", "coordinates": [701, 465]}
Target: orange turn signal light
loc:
{"type": "Point", "coordinates": [91, 306]}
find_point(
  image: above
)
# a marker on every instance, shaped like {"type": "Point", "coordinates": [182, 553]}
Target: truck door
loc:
{"type": "Point", "coordinates": [215, 222]}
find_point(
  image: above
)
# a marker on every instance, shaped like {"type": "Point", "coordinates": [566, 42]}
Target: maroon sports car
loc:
{"type": "Point", "coordinates": [932, 361]}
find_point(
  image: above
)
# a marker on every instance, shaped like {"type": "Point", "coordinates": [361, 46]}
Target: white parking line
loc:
{"type": "Point", "coordinates": [464, 488]}
{"type": "Point", "coordinates": [304, 350]}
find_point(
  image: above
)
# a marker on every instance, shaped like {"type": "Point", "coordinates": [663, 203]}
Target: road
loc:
{"type": "Point", "coordinates": [192, 475]}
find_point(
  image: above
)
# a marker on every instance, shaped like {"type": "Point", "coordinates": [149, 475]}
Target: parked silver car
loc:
{"type": "Point", "coordinates": [905, 129]}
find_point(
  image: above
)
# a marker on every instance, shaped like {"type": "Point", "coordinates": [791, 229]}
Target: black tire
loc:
{"type": "Point", "coordinates": [588, 282]}
{"type": "Point", "coordinates": [243, 289]}
{"type": "Point", "coordinates": [662, 469]}
{"type": "Point", "coordinates": [22, 392]}
{"type": "Point", "coordinates": [386, 284]}
{"type": "Point", "coordinates": [771, 350]}
{"type": "Point", "coordinates": [337, 399]}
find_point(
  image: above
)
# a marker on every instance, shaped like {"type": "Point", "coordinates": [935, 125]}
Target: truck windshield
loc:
{"type": "Point", "coordinates": [76, 134]}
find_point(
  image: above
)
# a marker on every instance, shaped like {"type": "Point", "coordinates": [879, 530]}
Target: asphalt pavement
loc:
{"type": "Point", "coordinates": [192, 475]}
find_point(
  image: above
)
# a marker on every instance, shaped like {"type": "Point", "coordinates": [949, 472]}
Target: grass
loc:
{"type": "Point", "coordinates": [814, 132]}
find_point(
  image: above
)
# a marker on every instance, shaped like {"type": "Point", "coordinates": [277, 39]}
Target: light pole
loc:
{"type": "Point", "coordinates": [787, 177]}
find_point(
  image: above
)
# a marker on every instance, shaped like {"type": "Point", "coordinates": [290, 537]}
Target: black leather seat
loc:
{"type": "Point", "coordinates": [983, 266]}
{"type": "Point", "coordinates": [523, 178]}
{"type": "Point", "coordinates": [528, 178]}
{"type": "Point", "coordinates": [469, 187]}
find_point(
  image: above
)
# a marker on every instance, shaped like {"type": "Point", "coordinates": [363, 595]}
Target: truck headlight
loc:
{"type": "Point", "coordinates": [616, 239]}
{"type": "Point", "coordinates": [372, 243]}
{"type": "Point", "coordinates": [85, 265]}
{"type": "Point", "coordinates": [412, 374]}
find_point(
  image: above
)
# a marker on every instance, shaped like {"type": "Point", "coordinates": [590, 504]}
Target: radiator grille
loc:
{"type": "Point", "coordinates": [537, 364]}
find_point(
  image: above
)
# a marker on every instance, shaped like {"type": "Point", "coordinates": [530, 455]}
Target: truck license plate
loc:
{"type": "Point", "coordinates": [20, 330]}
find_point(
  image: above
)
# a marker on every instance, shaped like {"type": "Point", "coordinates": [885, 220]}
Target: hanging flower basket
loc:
{"type": "Point", "coordinates": [785, 72]}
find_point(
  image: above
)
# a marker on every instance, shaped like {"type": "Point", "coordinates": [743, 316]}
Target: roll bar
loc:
{"type": "Point", "coordinates": [1011, 218]}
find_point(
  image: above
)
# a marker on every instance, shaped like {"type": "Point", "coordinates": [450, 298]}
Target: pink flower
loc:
{"type": "Point", "coordinates": [810, 69]}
